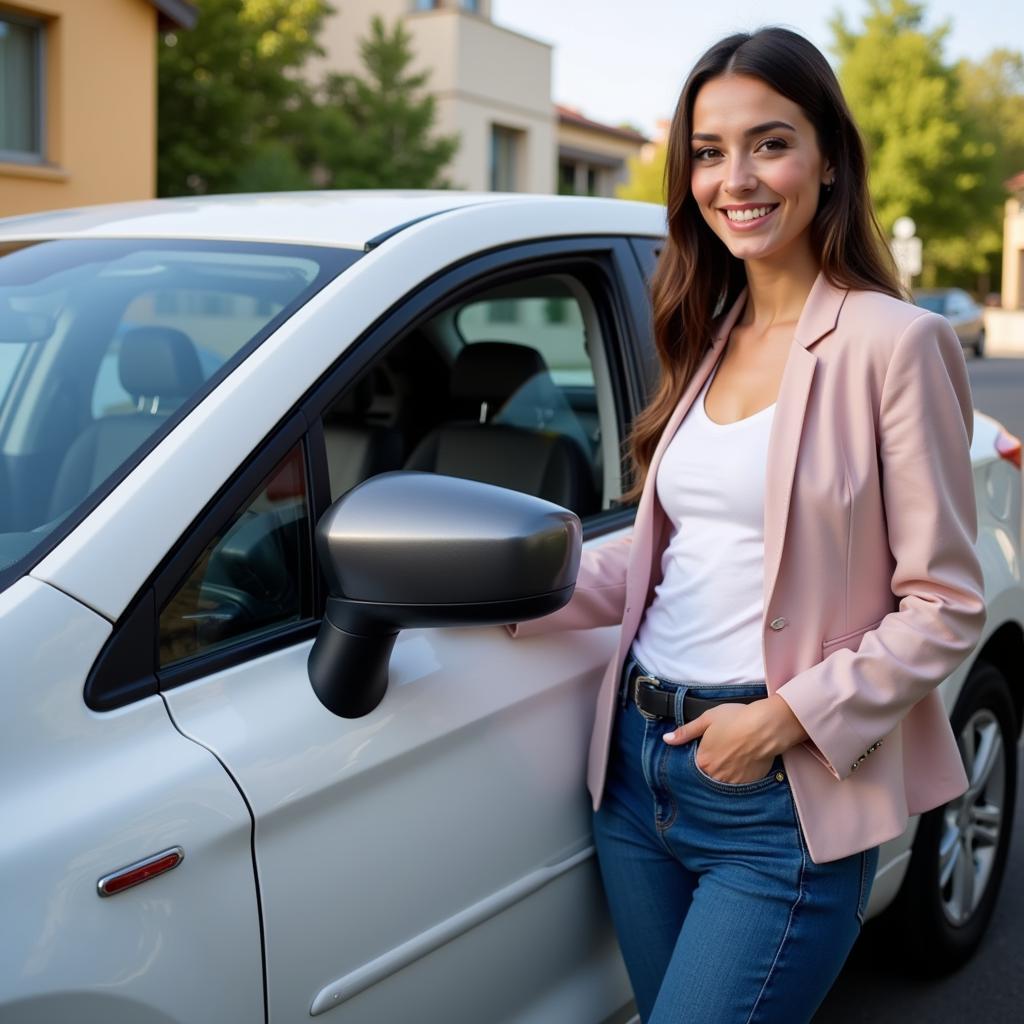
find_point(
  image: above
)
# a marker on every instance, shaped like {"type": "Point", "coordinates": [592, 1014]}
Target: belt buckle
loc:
{"type": "Point", "coordinates": [637, 680]}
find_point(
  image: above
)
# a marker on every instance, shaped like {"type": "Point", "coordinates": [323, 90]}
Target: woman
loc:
{"type": "Point", "coordinates": [801, 574]}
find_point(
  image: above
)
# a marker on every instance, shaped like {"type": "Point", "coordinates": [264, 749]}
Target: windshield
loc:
{"type": "Point", "coordinates": [106, 344]}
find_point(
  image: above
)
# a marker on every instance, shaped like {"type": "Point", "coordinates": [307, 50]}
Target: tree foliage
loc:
{"type": "Point", "coordinates": [376, 128]}
{"type": "Point", "coordinates": [226, 89]}
{"type": "Point", "coordinates": [645, 178]}
{"type": "Point", "coordinates": [235, 112]}
{"type": "Point", "coordinates": [930, 158]}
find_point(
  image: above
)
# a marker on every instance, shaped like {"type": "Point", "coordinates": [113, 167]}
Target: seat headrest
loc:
{"type": "Point", "coordinates": [158, 362]}
{"type": "Point", "coordinates": [493, 371]}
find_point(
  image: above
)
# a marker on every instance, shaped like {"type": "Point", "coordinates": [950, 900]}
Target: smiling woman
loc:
{"type": "Point", "coordinates": [792, 487]}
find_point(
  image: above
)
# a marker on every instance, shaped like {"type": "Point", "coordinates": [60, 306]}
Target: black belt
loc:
{"type": "Point", "coordinates": [655, 702]}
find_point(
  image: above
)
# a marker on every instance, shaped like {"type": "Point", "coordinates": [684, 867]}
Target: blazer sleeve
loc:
{"type": "Point", "coordinates": [600, 595]}
{"type": "Point", "coordinates": [852, 699]}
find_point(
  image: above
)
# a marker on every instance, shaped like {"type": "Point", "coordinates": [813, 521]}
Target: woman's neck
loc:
{"type": "Point", "coordinates": [776, 292]}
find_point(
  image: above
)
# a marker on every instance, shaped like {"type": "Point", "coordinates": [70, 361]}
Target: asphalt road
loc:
{"type": "Point", "coordinates": [990, 988]}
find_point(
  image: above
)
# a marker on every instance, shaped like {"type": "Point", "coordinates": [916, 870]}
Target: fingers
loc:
{"type": "Point", "coordinates": [690, 731]}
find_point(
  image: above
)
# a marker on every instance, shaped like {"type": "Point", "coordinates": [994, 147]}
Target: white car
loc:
{"type": "Point", "coordinates": [247, 776]}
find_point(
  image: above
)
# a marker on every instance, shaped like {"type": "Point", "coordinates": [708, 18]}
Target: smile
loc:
{"type": "Point", "coordinates": [750, 217]}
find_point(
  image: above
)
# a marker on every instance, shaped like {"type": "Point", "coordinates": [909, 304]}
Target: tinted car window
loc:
{"type": "Point", "coordinates": [253, 577]}
{"type": "Point", "coordinates": [104, 343]}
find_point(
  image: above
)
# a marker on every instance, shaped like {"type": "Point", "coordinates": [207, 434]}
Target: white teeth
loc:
{"type": "Point", "coordinates": [761, 211]}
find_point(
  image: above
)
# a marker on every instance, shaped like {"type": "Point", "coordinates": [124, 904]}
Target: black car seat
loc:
{"type": "Point", "coordinates": [356, 448]}
{"type": "Point", "coordinates": [486, 378]}
{"type": "Point", "coordinates": [158, 367]}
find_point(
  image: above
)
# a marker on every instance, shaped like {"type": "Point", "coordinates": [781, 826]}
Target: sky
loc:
{"type": "Point", "coordinates": [626, 61]}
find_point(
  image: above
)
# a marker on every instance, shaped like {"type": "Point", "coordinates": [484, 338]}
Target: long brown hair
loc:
{"type": "Point", "coordinates": [697, 278]}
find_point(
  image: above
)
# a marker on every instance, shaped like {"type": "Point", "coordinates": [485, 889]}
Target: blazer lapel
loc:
{"type": "Point", "coordinates": [819, 317]}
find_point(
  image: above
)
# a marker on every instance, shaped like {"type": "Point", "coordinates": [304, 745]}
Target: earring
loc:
{"type": "Point", "coordinates": [829, 184]}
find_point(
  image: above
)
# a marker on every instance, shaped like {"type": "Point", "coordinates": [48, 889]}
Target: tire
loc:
{"type": "Point", "coordinates": [979, 345]}
{"type": "Point", "coordinates": [933, 927]}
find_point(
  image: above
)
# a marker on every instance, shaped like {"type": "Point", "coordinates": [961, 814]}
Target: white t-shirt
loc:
{"type": "Point", "coordinates": [704, 624]}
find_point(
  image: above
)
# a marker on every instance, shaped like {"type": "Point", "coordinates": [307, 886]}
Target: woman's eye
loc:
{"type": "Point", "coordinates": [774, 144]}
{"type": "Point", "coordinates": [704, 154]}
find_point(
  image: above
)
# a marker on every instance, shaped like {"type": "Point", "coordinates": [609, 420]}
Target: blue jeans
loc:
{"type": "Point", "coordinates": [721, 914]}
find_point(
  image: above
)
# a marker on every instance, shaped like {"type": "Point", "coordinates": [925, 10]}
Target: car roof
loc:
{"type": "Point", "coordinates": [344, 218]}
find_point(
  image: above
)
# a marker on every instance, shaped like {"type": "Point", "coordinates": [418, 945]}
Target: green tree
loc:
{"type": "Point", "coordinates": [646, 178]}
{"type": "Point", "coordinates": [228, 91]}
{"type": "Point", "coordinates": [928, 157]}
{"type": "Point", "coordinates": [376, 129]}
{"type": "Point", "coordinates": [994, 91]}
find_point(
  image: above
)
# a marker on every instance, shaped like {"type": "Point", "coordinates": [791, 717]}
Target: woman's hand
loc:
{"type": "Point", "coordinates": [738, 742]}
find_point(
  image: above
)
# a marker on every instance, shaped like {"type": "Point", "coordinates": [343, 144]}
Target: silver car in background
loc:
{"type": "Point", "coordinates": [966, 316]}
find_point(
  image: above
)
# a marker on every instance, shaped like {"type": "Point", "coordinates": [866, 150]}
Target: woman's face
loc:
{"type": "Point", "coordinates": [757, 168]}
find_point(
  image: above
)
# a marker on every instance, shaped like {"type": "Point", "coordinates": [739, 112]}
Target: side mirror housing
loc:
{"type": "Point", "coordinates": [409, 549]}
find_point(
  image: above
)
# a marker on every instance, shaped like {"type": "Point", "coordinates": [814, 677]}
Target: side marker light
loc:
{"type": "Point", "coordinates": [140, 871]}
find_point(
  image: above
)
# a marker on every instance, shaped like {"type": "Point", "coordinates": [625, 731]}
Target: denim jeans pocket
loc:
{"type": "Point", "coordinates": [774, 777]}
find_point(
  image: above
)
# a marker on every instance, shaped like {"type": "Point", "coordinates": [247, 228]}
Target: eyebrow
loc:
{"type": "Point", "coordinates": [756, 130]}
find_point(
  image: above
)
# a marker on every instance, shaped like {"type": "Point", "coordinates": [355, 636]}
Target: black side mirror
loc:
{"type": "Point", "coordinates": [410, 549]}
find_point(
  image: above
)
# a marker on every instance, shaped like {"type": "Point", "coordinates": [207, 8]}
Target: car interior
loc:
{"type": "Point", "coordinates": [508, 387]}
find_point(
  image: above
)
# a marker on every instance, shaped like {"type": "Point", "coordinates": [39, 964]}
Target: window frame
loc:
{"type": "Point", "coordinates": [36, 156]}
{"type": "Point", "coordinates": [127, 668]}
{"type": "Point", "coordinates": [610, 256]}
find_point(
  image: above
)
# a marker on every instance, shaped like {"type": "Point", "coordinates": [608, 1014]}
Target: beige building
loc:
{"type": "Point", "coordinates": [592, 157]}
{"type": "Point", "coordinates": [1004, 325]}
{"type": "Point", "coordinates": [493, 87]}
{"type": "Point", "coordinates": [78, 100]}
{"type": "Point", "coordinates": [1013, 245]}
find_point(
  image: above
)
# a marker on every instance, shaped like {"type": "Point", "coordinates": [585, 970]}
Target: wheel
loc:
{"type": "Point", "coordinates": [956, 866]}
{"type": "Point", "coordinates": [979, 345]}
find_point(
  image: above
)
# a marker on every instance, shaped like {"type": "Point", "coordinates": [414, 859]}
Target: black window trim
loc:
{"type": "Point", "coordinates": [112, 683]}
{"type": "Point", "coordinates": [128, 667]}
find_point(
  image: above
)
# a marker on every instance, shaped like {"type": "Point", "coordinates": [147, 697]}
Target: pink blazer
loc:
{"type": "Point", "coordinates": [872, 588]}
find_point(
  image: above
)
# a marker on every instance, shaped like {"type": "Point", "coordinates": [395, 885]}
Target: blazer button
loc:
{"type": "Point", "coordinates": [778, 623]}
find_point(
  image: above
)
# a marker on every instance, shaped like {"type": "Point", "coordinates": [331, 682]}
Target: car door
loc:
{"type": "Point", "coordinates": [434, 857]}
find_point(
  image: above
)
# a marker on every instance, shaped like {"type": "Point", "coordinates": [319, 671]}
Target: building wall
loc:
{"type": "Point", "coordinates": [1013, 255]}
{"type": "Point", "coordinates": [480, 75]}
{"type": "Point", "coordinates": [100, 106]}
{"type": "Point", "coordinates": [591, 153]}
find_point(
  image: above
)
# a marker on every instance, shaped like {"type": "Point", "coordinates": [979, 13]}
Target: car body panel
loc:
{"type": "Point", "coordinates": [472, 740]}
{"type": "Point", "coordinates": [94, 793]}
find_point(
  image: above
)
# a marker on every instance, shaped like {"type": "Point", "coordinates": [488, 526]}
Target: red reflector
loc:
{"type": "Point", "coordinates": [140, 871]}
{"type": "Point", "coordinates": [1008, 447]}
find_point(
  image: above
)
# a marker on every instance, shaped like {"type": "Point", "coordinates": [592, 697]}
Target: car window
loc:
{"type": "Point", "coordinates": [10, 356]}
{"type": "Point", "coordinates": [102, 342]}
{"type": "Point", "coordinates": [509, 385]}
{"type": "Point", "coordinates": [252, 578]}
{"type": "Point", "coordinates": [933, 303]}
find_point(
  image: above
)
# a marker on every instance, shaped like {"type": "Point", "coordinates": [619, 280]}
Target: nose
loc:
{"type": "Point", "coordinates": [739, 175]}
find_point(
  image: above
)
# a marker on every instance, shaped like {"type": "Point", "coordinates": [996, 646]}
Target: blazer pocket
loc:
{"type": "Point", "coordinates": [850, 641]}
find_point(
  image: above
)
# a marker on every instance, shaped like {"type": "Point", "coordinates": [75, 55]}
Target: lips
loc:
{"type": "Point", "coordinates": [750, 218]}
